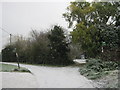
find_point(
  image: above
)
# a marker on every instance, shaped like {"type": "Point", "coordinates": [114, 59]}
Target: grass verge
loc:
{"type": "Point", "coordinates": [108, 81]}
{"type": "Point", "coordinates": [12, 68]}
{"type": "Point", "coordinates": [104, 73]}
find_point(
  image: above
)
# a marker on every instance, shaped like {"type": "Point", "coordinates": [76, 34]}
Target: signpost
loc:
{"type": "Point", "coordinates": [17, 60]}
{"type": "Point", "coordinates": [17, 57]}
{"type": "Point", "coordinates": [103, 44]}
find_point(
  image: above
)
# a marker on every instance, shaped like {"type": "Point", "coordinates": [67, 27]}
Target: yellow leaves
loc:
{"type": "Point", "coordinates": [79, 32]}
{"type": "Point", "coordinates": [75, 36]}
{"type": "Point", "coordinates": [81, 25]}
{"type": "Point", "coordinates": [83, 34]}
{"type": "Point", "coordinates": [87, 10]}
{"type": "Point", "coordinates": [74, 8]}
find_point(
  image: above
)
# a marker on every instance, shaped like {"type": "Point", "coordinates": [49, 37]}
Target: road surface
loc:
{"type": "Point", "coordinates": [56, 77]}
{"type": "Point", "coordinates": [18, 80]}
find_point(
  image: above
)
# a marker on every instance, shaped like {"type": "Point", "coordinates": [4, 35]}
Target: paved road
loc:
{"type": "Point", "coordinates": [18, 80]}
{"type": "Point", "coordinates": [58, 77]}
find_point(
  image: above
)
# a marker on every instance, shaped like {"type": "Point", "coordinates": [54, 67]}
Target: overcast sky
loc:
{"type": "Point", "coordinates": [20, 17]}
{"type": "Point", "coordinates": [0, 26]}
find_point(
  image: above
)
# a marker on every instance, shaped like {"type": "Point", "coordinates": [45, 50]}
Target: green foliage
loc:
{"type": "Point", "coordinates": [90, 19]}
{"type": "Point", "coordinates": [95, 13]}
{"type": "Point", "coordinates": [109, 35]}
{"type": "Point", "coordinates": [85, 36]}
{"type": "Point", "coordinates": [40, 48]}
{"type": "Point", "coordinates": [8, 54]}
{"type": "Point", "coordinates": [0, 57]}
{"type": "Point", "coordinates": [99, 65]}
{"type": "Point", "coordinates": [12, 68]}
{"type": "Point", "coordinates": [96, 68]}
{"type": "Point", "coordinates": [30, 50]}
{"type": "Point", "coordinates": [58, 47]}
{"type": "Point", "coordinates": [78, 12]}
{"type": "Point", "coordinates": [21, 70]}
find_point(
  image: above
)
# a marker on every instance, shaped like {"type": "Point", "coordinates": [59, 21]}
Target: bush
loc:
{"type": "Point", "coordinates": [99, 65]}
{"type": "Point", "coordinates": [21, 70]}
{"type": "Point", "coordinates": [59, 48]}
{"type": "Point", "coordinates": [8, 54]}
{"type": "Point", "coordinates": [95, 68]}
{"type": "Point", "coordinates": [40, 48]}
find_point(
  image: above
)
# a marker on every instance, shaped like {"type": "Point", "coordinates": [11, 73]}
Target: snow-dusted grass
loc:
{"type": "Point", "coordinates": [102, 72]}
{"type": "Point", "coordinates": [11, 68]}
{"type": "Point", "coordinates": [108, 81]}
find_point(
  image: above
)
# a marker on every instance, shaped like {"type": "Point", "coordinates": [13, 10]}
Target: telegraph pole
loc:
{"type": "Point", "coordinates": [10, 38]}
{"type": "Point", "coordinates": [7, 33]}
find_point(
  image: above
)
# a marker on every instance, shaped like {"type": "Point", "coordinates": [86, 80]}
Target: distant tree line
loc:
{"type": "Point", "coordinates": [40, 48]}
{"type": "Point", "coordinates": [0, 57]}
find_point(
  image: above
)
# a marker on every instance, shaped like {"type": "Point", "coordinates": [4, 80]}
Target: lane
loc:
{"type": "Point", "coordinates": [0, 81]}
{"type": "Point", "coordinates": [18, 80]}
{"type": "Point", "coordinates": [58, 77]}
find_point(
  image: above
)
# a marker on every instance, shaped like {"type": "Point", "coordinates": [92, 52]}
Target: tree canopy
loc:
{"type": "Point", "coordinates": [59, 47]}
{"type": "Point", "coordinates": [93, 23]}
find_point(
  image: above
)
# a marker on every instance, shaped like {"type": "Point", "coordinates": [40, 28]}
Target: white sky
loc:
{"type": "Point", "coordinates": [20, 17]}
{"type": "Point", "coordinates": [0, 25]}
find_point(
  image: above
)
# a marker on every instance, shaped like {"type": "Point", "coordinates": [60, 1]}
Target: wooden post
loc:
{"type": "Point", "coordinates": [10, 38]}
{"type": "Point", "coordinates": [18, 60]}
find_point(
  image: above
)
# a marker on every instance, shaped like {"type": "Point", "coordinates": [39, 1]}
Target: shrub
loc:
{"type": "Point", "coordinates": [95, 68]}
{"type": "Point", "coordinates": [8, 54]}
{"type": "Point", "coordinates": [40, 48]}
{"type": "Point", "coordinates": [99, 65]}
{"type": "Point", "coordinates": [59, 48]}
{"type": "Point", "coordinates": [21, 70]}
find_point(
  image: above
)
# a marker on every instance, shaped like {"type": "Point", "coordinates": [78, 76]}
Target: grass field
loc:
{"type": "Point", "coordinates": [11, 68]}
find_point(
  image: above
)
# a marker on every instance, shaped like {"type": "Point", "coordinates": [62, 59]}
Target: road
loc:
{"type": "Point", "coordinates": [18, 80]}
{"type": "Point", "coordinates": [58, 77]}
